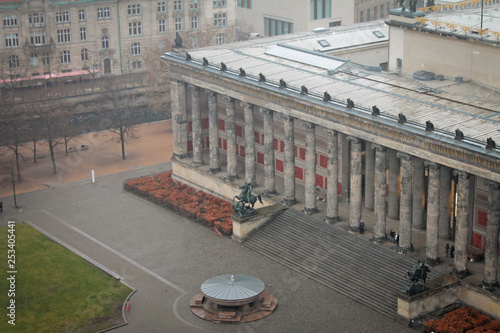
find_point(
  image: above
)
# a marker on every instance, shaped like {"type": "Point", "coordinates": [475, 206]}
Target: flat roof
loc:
{"type": "Point", "coordinates": [470, 107]}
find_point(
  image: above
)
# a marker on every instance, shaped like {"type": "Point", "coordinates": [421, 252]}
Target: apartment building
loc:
{"type": "Point", "coordinates": [107, 36]}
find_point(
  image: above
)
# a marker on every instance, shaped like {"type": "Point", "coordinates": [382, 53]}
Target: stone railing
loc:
{"type": "Point", "coordinates": [458, 28]}
{"type": "Point", "coordinates": [457, 5]}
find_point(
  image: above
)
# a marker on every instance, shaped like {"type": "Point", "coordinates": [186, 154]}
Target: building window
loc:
{"type": "Point", "coordinates": [220, 20]}
{"type": "Point", "coordinates": [194, 22]}
{"type": "Point", "coordinates": [34, 60]}
{"type": "Point", "coordinates": [193, 4]}
{"type": "Point", "coordinates": [219, 3]}
{"type": "Point", "coordinates": [12, 40]}
{"type": "Point", "coordinates": [83, 33]}
{"type": "Point", "coordinates": [63, 36]}
{"type": "Point", "coordinates": [178, 24]}
{"type": "Point", "coordinates": [105, 42]}
{"type": "Point", "coordinates": [13, 61]}
{"type": "Point", "coordinates": [220, 39]}
{"type": "Point", "coordinates": [162, 26]}
{"type": "Point", "coordinates": [136, 49]}
{"type": "Point", "coordinates": [36, 20]}
{"type": "Point", "coordinates": [276, 27]}
{"type": "Point", "coordinates": [103, 13]}
{"type": "Point", "coordinates": [388, 7]}
{"type": "Point", "coordinates": [85, 54]}
{"type": "Point", "coordinates": [368, 14]}
{"type": "Point", "coordinates": [65, 57]}
{"type": "Point", "coordinates": [382, 14]}
{"type": "Point", "coordinates": [245, 4]}
{"type": "Point", "coordinates": [136, 64]}
{"type": "Point", "coordinates": [374, 13]}
{"type": "Point", "coordinates": [320, 9]}
{"type": "Point", "coordinates": [361, 16]}
{"type": "Point", "coordinates": [62, 17]}
{"type": "Point", "coordinates": [134, 9]}
{"type": "Point", "coordinates": [46, 59]}
{"type": "Point", "coordinates": [177, 4]}
{"type": "Point", "coordinates": [37, 37]}
{"type": "Point", "coordinates": [81, 15]}
{"type": "Point", "coordinates": [162, 7]}
{"type": "Point", "coordinates": [10, 21]}
{"type": "Point", "coordinates": [134, 28]}
{"type": "Point", "coordinates": [335, 24]}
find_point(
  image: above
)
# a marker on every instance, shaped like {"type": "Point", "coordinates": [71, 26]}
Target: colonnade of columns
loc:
{"type": "Point", "coordinates": [398, 196]}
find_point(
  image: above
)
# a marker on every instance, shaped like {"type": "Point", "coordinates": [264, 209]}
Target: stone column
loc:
{"type": "Point", "coordinates": [249, 144]}
{"type": "Point", "coordinates": [213, 132]}
{"type": "Point", "coordinates": [310, 169]}
{"type": "Point", "coordinates": [196, 118]}
{"type": "Point", "coordinates": [355, 198]}
{"type": "Point", "coordinates": [269, 169]}
{"type": "Point", "coordinates": [369, 176]}
{"type": "Point", "coordinates": [418, 193]}
{"type": "Point", "coordinates": [393, 205]}
{"type": "Point", "coordinates": [332, 192]}
{"type": "Point", "coordinates": [490, 281]}
{"type": "Point", "coordinates": [444, 201]}
{"type": "Point", "coordinates": [232, 163]}
{"type": "Point", "coordinates": [432, 234]}
{"type": "Point", "coordinates": [379, 214]}
{"type": "Point", "coordinates": [463, 209]}
{"type": "Point", "coordinates": [346, 160]}
{"type": "Point", "coordinates": [405, 203]}
{"type": "Point", "coordinates": [179, 118]}
{"type": "Point", "coordinates": [289, 160]}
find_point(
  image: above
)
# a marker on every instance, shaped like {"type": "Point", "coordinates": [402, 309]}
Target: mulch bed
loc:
{"type": "Point", "coordinates": [463, 320]}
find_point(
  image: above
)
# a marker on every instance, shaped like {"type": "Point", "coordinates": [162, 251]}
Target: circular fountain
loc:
{"type": "Point", "coordinates": [233, 298]}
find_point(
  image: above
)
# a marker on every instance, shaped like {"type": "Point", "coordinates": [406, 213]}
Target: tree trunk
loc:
{"type": "Point", "coordinates": [122, 139]}
{"type": "Point", "coordinates": [52, 157]}
{"type": "Point", "coordinates": [66, 146]}
{"type": "Point", "coordinates": [34, 150]}
{"type": "Point", "coordinates": [17, 164]}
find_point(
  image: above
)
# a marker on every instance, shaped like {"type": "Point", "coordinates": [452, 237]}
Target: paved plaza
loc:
{"type": "Point", "coordinates": [167, 257]}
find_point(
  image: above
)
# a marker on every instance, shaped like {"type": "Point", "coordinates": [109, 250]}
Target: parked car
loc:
{"type": "Point", "coordinates": [84, 147]}
{"type": "Point", "coordinates": [71, 149]}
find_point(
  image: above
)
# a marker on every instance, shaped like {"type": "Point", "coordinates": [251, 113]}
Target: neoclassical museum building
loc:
{"type": "Point", "coordinates": [423, 152]}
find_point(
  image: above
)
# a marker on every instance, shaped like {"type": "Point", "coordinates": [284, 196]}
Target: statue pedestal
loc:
{"type": "Point", "coordinates": [245, 226]}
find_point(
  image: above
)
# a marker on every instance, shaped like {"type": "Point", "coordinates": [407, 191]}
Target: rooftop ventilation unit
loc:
{"type": "Point", "coordinates": [318, 30]}
{"type": "Point", "coordinates": [424, 76]}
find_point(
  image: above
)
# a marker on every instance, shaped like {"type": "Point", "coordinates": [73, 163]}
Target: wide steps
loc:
{"type": "Point", "coordinates": [365, 272]}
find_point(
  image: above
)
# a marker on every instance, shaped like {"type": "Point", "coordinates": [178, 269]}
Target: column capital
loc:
{"type": "Point", "coordinates": [308, 125]}
{"type": "Point", "coordinates": [331, 132]}
{"type": "Point", "coordinates": [377, 147]}
{"type": "Point", "coordinates": [287, 117]}
{"type": "Point", "coordinates": [432, 165]}
{"type": "Point", "coordinates": [492, 184]}
{"type": "Point", "coordinates": [461, 174]}
{"type": "Point", "coordinates": [192, 87]}
{"type": "Point", "coordinates": [210, 93]}
{"type": "Point", "coordinates": [228, 99]}
{"type": "Point", "coordinates": [353, 139]}
{"type": "Point", "coordinates": [403, 156]}
{"type": "Point", "coordinates": [246, 105]}
{"type": "Point", "coordinates": [266, 111]}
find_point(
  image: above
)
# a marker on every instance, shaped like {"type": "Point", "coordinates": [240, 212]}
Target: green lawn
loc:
{"type": "Point", "coordinates": [56, 290]}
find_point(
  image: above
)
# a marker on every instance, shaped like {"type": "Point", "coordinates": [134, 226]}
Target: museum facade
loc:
{"type": "Point", "coordinates": [429, 160]}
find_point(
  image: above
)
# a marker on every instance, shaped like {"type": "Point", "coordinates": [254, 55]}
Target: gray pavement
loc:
{"type": "Point", "coordinates": [167, 257]}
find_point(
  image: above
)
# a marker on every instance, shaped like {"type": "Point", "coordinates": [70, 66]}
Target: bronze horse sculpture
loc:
{"type": "Point", "coordinates": [417, 274]}
{"type": "Point", "coordinates": [246, 200]}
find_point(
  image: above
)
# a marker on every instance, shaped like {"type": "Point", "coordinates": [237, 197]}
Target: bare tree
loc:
{"type": "Point", "coordinates": [8, 173]}
{"type": "Point", "coordinates": [157, 75]}
{"type": "Point", "coordinates": [93, 62]}
{"type": "Point", "coordinates": [14, 133]}
{"type": "Point", "coordinates": [121, 117]}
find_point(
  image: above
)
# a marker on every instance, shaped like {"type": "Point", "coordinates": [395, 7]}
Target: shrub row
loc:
{"type": "Point", "coordinates": [463, 320]}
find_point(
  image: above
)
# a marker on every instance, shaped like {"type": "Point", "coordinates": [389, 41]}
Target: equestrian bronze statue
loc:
{"type": "Point", "coordinates": [244, 203]}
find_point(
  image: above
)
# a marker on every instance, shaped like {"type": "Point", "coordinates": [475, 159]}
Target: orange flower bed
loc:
{"type": "Point", "coordinates": [463, 320]}
{"type": "Point", "coordinates": [180, 198]}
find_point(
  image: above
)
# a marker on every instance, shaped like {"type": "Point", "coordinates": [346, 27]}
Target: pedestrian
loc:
{"type": "Point", "coordinates": [361, 227]}
{"type": "Point", "coordinates": [447, 248]}
{"type": "Point", "coordinates": [452, 251]}
{"type": "Point", "coordinates": [392, 234]}
{"type": "Point", "coordinates": [397, 238]}
{"type": "Point", "coordinates": [1, 206]}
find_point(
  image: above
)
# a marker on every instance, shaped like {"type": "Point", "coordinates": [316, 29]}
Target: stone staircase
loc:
{"type": "Point", "coordinates": [368, 273]}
